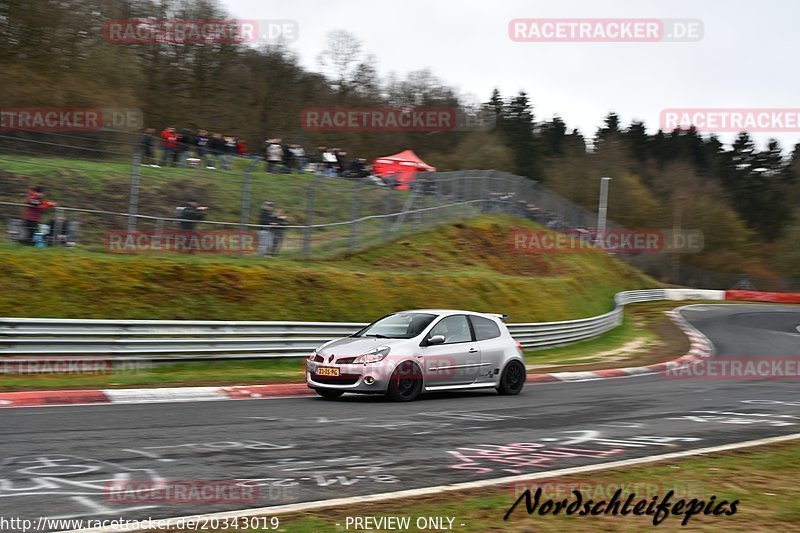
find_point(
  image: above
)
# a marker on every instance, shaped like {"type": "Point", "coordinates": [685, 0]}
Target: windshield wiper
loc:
{"type": "Point", "coordinates": [377, 336]}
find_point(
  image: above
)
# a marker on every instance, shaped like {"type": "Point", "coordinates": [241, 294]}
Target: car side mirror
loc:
{"type": "Point", "coordinates": [436, 339]}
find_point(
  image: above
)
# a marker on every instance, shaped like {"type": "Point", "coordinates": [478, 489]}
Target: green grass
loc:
{"type": "Point", "coordinates": [762, 479]}
{"type": "Point", "coordinates": [587, 351]}
{"type": "Point", "coordinates": [279, 370]}
{"type": "Point", "coordinates": [466, 265]}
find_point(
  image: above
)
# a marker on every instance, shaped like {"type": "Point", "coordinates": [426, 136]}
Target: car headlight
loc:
{"type": "Point", "coordinates": [373, 356]}
{"type": "Point", "coordinates": [313, 355]}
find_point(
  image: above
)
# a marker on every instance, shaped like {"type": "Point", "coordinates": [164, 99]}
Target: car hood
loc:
{"type": "Point", "coordinates": [354, 346]}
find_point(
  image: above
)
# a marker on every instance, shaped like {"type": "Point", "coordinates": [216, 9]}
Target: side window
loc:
{"type": "Point", "coordinates": [454, 328]}
{"type": "Point", "coordinates": [484, 328]}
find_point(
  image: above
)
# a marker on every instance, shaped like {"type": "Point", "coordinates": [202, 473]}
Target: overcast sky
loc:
{"type": "Point", "coordinates": [744, 59]}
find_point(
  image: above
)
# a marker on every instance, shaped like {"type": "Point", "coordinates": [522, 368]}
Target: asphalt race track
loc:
{"type": "Point", "coordinates": [56, 460]}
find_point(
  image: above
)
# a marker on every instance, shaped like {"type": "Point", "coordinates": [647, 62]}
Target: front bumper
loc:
{"type": "Point", "coordinates": [367, 378]}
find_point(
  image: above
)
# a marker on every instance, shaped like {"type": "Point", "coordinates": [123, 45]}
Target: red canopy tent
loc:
{"type": "Point", "coordinates": [403, 165]}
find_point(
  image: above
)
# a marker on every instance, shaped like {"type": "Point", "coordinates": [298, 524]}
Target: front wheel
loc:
{"type": "Point", "coordinates": [329, 394]}
{"type": "Point", "coordinates": [512, 379]}
{"type": "Point", "coordinates": [405, 385]}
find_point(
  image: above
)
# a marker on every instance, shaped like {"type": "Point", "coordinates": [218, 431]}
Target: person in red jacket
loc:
{"type": "Point", "coordinates": [241, 147]}
{"type": "Point", "coordinates": [35, 206]}
{"type": "Point", "coordinates": [169, 146]}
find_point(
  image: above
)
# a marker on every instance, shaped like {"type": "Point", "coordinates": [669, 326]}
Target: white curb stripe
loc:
{"type": "Point", "coordinates": [340, 502]}
{"type": "Point", "coordinates": [173, 394]}
{"type": "Point", "coordinates": [572, 376]}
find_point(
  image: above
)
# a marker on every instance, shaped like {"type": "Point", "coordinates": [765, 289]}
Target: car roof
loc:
{"type": "Point", "coordinates": [443, 312]}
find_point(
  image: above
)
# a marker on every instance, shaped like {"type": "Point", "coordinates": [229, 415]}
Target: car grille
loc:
{"type": "Point", "coordinates": [345, 361]}
{"type": "Point", "coordinates": [344, 379]}
{"type": "Point", "coordinates": [319, 359]}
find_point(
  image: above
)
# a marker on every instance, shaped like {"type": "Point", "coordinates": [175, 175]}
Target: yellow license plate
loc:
{"type": "Point", "coordinates": [324, 371]}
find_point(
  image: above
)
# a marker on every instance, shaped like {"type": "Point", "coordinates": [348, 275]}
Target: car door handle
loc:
{"type": "Point", "coordinates": [473, 350]}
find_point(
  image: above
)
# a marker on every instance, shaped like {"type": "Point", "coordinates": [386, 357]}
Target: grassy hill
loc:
{"type": "Point", "coordinates": [105, 185]}
{"type": "Point", "coordinates": [464, 265]}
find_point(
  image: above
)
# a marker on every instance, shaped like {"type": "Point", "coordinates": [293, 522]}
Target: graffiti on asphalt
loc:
{"type": "Point", "coordinates": [745, 419]}
{"type": "Point", "coordinates": [160, 452]}
{"type": "Point", "coordinates": [516, 457]}
{"type": "Point", "coordinates": [345, 471]}
{"type": "Point", "coordinates": [72, 480]}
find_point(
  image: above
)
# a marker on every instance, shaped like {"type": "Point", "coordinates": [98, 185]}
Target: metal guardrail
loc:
{"type": "Point", "coordinates": [181, 340]}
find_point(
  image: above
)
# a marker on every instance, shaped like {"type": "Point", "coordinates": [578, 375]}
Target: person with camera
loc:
{"type": "Point", "coordinates": [190, 214]}
{"type": "Point", "coordinates": [35, 207]}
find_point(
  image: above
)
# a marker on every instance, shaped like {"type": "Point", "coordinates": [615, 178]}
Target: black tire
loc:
{"type": "Point", "coordinates": [512, 379]}
{"type": "Point", "coordinates": [329, 394]}
{"type": "Point", "coordinates": [405, 385]}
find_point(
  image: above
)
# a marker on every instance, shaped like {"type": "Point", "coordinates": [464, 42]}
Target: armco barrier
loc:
{"type": "Point", "coordinates": [160, 340]}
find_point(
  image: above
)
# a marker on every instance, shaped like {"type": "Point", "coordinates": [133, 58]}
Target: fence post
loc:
{"type": "Point", "coordinates": [58, 225]}
{"type": "Point", "coordinates": [355, 209]}
{"type": "Point", "coordinates": [387, 206]}
{"type": "Point", "coordinates": [486, 203]}
{"type": "Point", "coordinates": [408, 206]}
{"type": "Point", "coordinates": [133, 200]}
{"type": "Point", "coordinates": [417, 192]}
{"type": "Point", "coordinates": [310, 215]}
{"type": "Point", "coordinates": [247, 179]}
{"type": "Point", "coordinates": [437, 194]}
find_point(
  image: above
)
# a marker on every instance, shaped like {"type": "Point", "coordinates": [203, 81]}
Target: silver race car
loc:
{"type": "Point", "coordinates": [405, 354]}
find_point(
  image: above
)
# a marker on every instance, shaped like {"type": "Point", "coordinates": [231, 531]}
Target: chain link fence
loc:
{"type": "Point", "coordinates": [111, 200]}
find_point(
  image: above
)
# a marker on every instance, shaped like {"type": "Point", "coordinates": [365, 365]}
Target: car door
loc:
{"type": "Point", "coordinates": [456, 361]}
{"type": "Point", "coordinates": [491, 344]}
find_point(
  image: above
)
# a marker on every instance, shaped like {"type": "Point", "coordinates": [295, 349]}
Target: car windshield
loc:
{"type": "Point", "coordinates": [398, 326]}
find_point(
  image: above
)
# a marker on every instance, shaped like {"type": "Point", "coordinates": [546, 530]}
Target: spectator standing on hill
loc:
{"type": "Point", "coordinates": [230, 152]}
{"type": "Point", "coordinates": [274, 155]}
{"type": "Point", "coordinates": [299, 156]}
{"type": "Point", "coordinates": [279, 222]}
{"type": "Point", "coordinates": [329, 162]}
{"type": "Point", "coordinates": [217, 150]}
{"type": "Point", "coordinates": [62, 231]}
{"type": "Point", "coordinates": [341, 162]}
{"type": "Point", "coordinates": [169, 141]}
{"type": "Point", "coordinates": [288, 157]}
{"type": "Point", "coordinates": [318, 159]}
{"type": "Point", "coordinates": [35, 206]}
{"type": "Point", "coordinates": [191, 213]}
{"type": "Point", "coordinates": [146, 145]}
{"type": "Point", "coordinates": [357, 169]}
{"type": "Point", "coordinates": [265, 234]}
{"type": "Point", "coordinates": [241, 147]}
{"type": "Point", "coordinates": [201, 144]}
{"type": "Point", "coordinates": [184, 143]}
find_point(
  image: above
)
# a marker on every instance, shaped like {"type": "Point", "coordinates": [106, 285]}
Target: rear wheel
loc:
{"type": "Point", "coordinates": [329, 394]}
{"type": "Point", "coordinates": [512, 378]}
{"type": "Point", "coordinates": [405, 385]}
